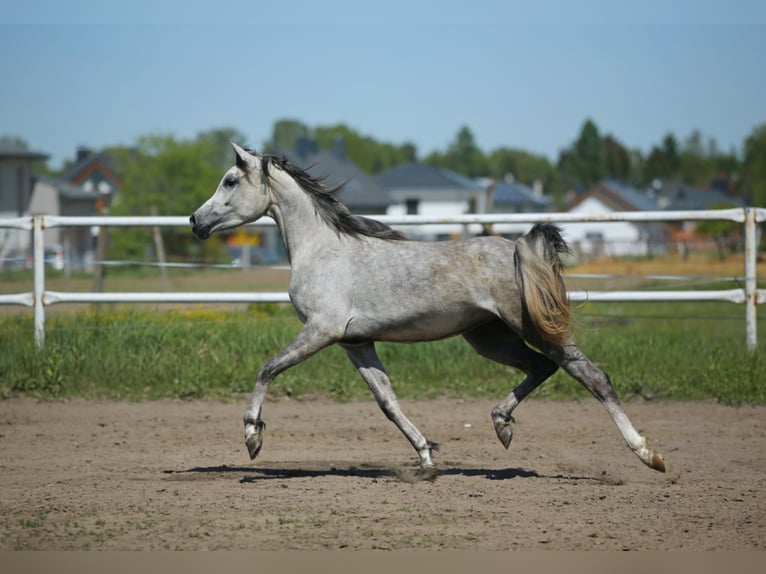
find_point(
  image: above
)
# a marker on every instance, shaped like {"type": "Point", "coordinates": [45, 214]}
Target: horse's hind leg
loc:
{"type": "Point", "coordinates": [498, 342]}
{"type": "Point", "coordinates": [574, 362]}
{"type": "Point", "coordinates": [366, 360]}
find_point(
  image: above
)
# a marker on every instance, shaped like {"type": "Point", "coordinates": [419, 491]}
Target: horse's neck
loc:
{"type": "Point", "coordinates": [301, 227]}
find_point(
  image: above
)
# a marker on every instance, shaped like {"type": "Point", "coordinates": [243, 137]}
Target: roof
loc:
{"type": "Point", "coordinates": [359, 190]}
{"type": "Point", "coordinates": [676, 195]}
{"type": "Point", "coordinates": [423, 176]}
{"type": "Point", "coordinates": [15, 152]}
{"type": "Point", "coordinates": [515, 193]}
{"type": "Point", "coordinates": [618, 196]}
{"type": "Point", "coordinates": [87, 163]}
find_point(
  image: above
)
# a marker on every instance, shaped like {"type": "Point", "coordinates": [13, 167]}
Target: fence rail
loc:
{"type": "Point", "coordinates": [39, 298]}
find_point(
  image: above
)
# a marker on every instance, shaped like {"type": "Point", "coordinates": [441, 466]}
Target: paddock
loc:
{"type": "Point", "coordinates": [91, 475]}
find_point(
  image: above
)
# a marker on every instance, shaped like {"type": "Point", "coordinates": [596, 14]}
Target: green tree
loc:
{"type": "Point", "coordinates": [754, 167]}
{"type": "Point", "coordinates": [589, 148]}
{"type": "Point", "coordinates": [696, 166]}
{"type": "Point", "coordinates": [13, 142]}
{"type": "Point", "coordinates": [664, 161]}
{"type": "Point", "coordinates": [285, 134]}
{"type": "Point", "coordinates": [369, 154]}
{"type": "Point", "coordinates": [584, 162]}
{"type": "Point", "coordinates": [525, 166]}
{"type": "Point", "coordinates": [616, 159]}
{"type": "Point", "coordinates": [221, 153]}
{"type": "Point", "coordinates": [462, 156]}
{"type": "Point", "coordinates": [166, 176]}
{"type": "Point", "coordinates": [721, 231]}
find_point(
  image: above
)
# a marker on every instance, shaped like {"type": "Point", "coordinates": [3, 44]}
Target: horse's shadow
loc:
{"type": "Point", "coordinates": [258, 474]}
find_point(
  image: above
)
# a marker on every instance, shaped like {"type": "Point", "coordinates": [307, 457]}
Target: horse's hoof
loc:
{"type": "Point", "coordinates": [504, 430]}
{"type": "Point", "coordinates": [254, 443]}
{"type": "Point", "coordinates": [657, 463]}
{"type": "Point", "coordinates": [427, 473]}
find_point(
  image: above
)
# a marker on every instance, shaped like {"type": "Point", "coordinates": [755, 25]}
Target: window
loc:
{"type": "Point", "coordinates": [412, 206]}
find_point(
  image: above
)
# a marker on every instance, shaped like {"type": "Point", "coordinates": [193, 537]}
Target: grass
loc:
{"type": "Point", "coordinates": [672, 351]}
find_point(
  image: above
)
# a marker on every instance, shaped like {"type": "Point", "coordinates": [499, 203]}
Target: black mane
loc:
{"type": "Point", "coordinates": [326, 204]}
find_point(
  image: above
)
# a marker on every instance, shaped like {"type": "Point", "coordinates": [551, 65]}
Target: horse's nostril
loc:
{"type": "Point", "coordinates": [192, 220]}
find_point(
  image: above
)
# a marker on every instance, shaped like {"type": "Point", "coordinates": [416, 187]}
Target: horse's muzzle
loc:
{"type": "Point", "coordinates": [199, 230]}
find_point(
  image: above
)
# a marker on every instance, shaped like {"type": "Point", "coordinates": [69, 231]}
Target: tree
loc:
{"type": "Point", "coordinates": [697, 168]}
{"type": "Point", "coordinates": [754, 167]}
{"type": "Point", "coordinates": [664, 161]}
{"type": "Point", "coordinates": [589, 148]}
{"type": "Point", "coordinates": [367, 153]}
{"type": "Point", "coordinates": [462, 156]}
{"type": "Point", "coordinates": [285, 134]}
{"type": "Point", "coordinates": [616, 158]}
{"type": "Point", "coordinates": [13, 142]}
{"type": "Point", "coordinates": [525, 166]}
{"type": "Point", "coordinates": [221, 154]}
{"type": "Point", "coordinates": [584, 162]}
{"type": "Point", "coordinates": [171, 177]}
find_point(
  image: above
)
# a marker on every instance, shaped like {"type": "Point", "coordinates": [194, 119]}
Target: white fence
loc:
{"type": "Point", "coordinates": [39, 298]}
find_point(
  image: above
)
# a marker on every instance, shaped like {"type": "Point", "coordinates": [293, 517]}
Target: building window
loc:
{"type": "Point", "coordinates": [412, 206]}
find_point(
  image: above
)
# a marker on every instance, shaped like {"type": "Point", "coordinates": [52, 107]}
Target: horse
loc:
{"type": "Point", "coordinates": [355, 281]}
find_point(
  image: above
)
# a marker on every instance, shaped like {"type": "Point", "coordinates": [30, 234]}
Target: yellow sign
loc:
{"type": "Point", "coordinates": [241, 237]}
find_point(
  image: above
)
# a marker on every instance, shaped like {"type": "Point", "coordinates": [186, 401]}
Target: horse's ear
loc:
{"type": "Point", "coordinates": [245, 160]}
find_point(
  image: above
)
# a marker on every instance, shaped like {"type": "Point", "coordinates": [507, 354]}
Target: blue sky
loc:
{"type": "Point", "coordinates": [518, 74]}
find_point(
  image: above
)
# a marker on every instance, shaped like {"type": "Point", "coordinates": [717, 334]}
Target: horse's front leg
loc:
{"type": "Point", "coordinates": [368, 363]}
{"type": "Point", "coordinates": [308, 342]}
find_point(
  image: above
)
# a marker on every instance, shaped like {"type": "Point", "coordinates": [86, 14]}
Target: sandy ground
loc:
{"type": "Point", "coordinates": [174, 475]}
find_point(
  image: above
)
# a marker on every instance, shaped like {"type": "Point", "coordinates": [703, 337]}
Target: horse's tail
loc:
{"type": "Point", "coordinates": [538, 269]}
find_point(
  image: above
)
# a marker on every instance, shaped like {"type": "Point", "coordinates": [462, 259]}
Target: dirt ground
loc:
{"type": "Point", "coordinates": [175, 475]}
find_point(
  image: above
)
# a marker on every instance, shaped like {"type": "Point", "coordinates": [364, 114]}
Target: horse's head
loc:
{"type": "Point", "coordinates": [242, 196]}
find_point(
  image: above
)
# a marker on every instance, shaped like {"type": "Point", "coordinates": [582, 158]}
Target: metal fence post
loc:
{"type": "Point", "coordinates": [751, 319]}
{"type": "Point", "coordinates": [38, 239]}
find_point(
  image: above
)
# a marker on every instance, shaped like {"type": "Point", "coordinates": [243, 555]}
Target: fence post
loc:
{"type": "Point", "coordinates": [38, 240]}
{"type": "Point", "coordinates": [751, 250]}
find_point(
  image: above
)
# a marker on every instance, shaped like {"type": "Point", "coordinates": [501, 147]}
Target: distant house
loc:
{"type": "Point", "coordinates": [16, 187]}
{"type": "Point", "coordinates": [511, 196]}
{"type": "Point", "coordinates": [619, 238]}
{"type": "Point", "coordinates": [423, 189]}
{"type": "Point", "coordinates": [86, 187]}
{"type": "Point", "coordinates": [675, 195]}
{"type": "Point", "coordinates": [360, 192]}
{"type": "Point", "coordinates": [95, 174]}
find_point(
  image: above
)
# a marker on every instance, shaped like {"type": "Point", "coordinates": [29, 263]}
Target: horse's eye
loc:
{"type": "Point", "coordinates": [230, 181]}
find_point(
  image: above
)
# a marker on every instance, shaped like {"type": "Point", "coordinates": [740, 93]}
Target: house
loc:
{"type": "Point", "coordinates": [86, 187]}
{"type": "Point", "coordinates": [16, 189]}
{"type": "Point", "coordinates": [618, 238]}
{"type": "Point", "coordinates": [510, 196]}
{"type": "Point", "coordinates": [423, 189]}
{"type": "Point", "coordinates": [95, 173]}
{"type": "Point", "coordinates": [675, 195]}
{"type": "Point", "coordinates": [360, 192]}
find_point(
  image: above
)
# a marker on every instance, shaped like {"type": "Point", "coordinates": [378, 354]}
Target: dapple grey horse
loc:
{"type": "Point", "coordinates": [355, 281]}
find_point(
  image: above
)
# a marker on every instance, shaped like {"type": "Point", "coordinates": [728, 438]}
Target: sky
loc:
{"type": "Point", "coordinates": [518, 74]}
